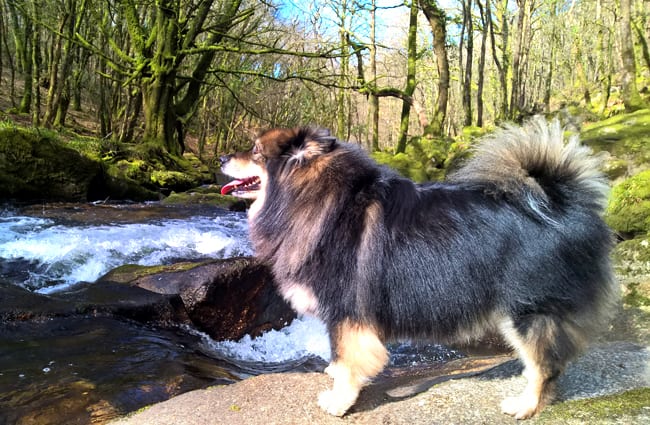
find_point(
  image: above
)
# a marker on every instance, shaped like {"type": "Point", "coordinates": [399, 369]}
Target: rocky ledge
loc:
{"type": "Point", "coordinates": [607, 385]}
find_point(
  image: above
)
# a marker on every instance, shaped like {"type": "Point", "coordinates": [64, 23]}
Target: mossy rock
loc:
{"type": "Point", "coordinates": [193, 162]}
{"type": "Point", "coordinates": [207, 198]}
{"type": "Point", "coordinates": [128, 273]}
{"type": "Point", "coordinates": [423, 160]}
{"type": "Point", "coordinates": [35, 165]}
{"type": "Point", "coordinates": [173, 179]}
{"type": "Point", "coordinates": [628, 211]}
{"type": "Point", "coordinates": [616, 168]}
{"type": "Point", "coordinates": [403, 164]}
{"type": "Point", "coordinates": [624, 136]}
{"type": "Point", "coordinates": [632, 257]}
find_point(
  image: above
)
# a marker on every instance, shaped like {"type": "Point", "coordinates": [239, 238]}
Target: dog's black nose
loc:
{"type": "Point", "coordinates": [224, 159]}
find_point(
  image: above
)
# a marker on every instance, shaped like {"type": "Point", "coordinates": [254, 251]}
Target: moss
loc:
{"type": "Point", "coordinates": [628, 211]}
{"type": "Point", "coordinates": [173, 179]}
{"type": "Point", "coordinates": [130, 272]}
{"type": "Point", "coordinates": [124, 180]}
{"type": "Point", "coordinates": [403, 164]}
{"type": "Point", "coordinates": [87, 146]}
{"type": "Point", "coordinates": [624, 135]}
{"type": "Point", "coordinates": [36, 165]}
{"type": "Point", "coordinates": [423, 160]}
{"type": "Point", "coordinates": [626, 405]}
{"type": "Point", "coordinates": [636, 294]}
{"type": "Point", "coordinates": [198, 197]}
{"type": "Point", "coordinates": [632, 257]}
{"type": "Point", "coordinates": [616, 168]}
{"type": "Point", "coordinates": [472, 132]}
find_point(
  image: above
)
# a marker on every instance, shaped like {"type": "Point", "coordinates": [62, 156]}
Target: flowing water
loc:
{"type": "Point", "coordinates": [48, 249]}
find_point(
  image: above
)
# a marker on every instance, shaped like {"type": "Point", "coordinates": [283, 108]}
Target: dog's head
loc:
{"type": "Point", "coordinates": [272, 150]}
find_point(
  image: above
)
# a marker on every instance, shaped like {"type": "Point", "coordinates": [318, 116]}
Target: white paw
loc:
{"type": "Point", "coordinates": [331, 370]}
{"type": "Point", "coordinates": [333, 403]}
{"type": "Point", "coordinates": [522, 407]}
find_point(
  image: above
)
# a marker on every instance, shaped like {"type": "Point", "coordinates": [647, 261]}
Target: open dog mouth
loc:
{"type": "Point", "coordinates": [242, 187]}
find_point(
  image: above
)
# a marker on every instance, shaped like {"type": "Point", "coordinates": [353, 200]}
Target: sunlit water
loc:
{"type": "Point", "coordinates": [52, 256]}
{"type": "Point", "coordinates": [49, 255]}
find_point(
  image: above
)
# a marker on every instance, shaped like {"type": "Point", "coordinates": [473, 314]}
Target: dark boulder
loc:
{"type": "Point", "coordinates": [226, 299]}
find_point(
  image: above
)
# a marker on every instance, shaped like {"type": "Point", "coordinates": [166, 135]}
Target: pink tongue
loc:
{"type": "Point", "coordinates": [227, 188]}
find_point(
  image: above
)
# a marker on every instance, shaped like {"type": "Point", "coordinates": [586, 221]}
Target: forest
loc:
{"type": "Point", "coordinates": [204, 75]}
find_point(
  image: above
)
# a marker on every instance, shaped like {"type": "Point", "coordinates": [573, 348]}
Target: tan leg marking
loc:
{"type": "Point", "coordinates": [361, 355]}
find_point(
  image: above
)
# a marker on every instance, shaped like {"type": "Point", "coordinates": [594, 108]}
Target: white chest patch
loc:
{"type": "Point", "coordinates": [301, 298]}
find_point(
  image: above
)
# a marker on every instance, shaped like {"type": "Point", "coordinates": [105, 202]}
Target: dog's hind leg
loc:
{"type": "Point", "coordinates": [545, 344]}
{"type": "Point", "coordinates": [358, 356]}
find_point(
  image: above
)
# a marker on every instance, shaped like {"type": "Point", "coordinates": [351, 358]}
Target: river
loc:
{"type": "Point", "coordinates": [51, 248]}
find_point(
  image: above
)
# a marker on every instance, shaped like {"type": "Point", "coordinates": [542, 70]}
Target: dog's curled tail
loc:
{"type": "Point", "coordinates": [534, 164]}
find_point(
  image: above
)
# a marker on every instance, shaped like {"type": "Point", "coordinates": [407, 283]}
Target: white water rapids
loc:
{"type": "Point", "coordinates": [48, 255]}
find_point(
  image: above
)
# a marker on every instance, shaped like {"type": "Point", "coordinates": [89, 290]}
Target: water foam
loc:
{"type": "Point", "coordinates": [58, 255]}
{"type": "Point", "coordinates": [304, 337]}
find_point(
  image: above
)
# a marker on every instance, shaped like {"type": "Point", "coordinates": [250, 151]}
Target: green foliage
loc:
{"type": "Point", "coordinates": [628, 211]}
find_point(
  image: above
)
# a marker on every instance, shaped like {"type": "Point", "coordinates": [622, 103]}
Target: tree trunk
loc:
{"type": "Point", "coordinates": [485, 19]}
{"type": "Point", "coordinates": [604, 51]}
{"type": "Point", "coordinates": [159, 117]}
{"type": "Point", "coordinates": [410, 78]}
{"type": "Point", "coordinates": [502, 65]}
{"type": "Point", "coordinates": [436, 17]}
{"type": "Point", "coordinates": [23, 43]}
{"type": "Point", "coordinates": [53, 92]}
{"type": "Point", "coordinates": [373, 105]}
{"type": "Point", "coordinates": [631, 98]}
{"type": "Point", "coordinates": [518, 58]}
{"type": "Point", "coordinates": [467, 81]}
{"type": "Point", "coordinates": [36, 66]}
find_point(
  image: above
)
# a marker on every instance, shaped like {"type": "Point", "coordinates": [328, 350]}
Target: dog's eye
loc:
{"type": "Point", "coordinates": [257, 152]}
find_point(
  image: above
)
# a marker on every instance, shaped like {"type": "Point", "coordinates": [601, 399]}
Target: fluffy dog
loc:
{"type": "Point", "coordinates": [512, 242]}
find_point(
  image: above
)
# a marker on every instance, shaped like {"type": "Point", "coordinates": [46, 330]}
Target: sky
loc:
{"type": "Point", "coordinates": [392, 22]}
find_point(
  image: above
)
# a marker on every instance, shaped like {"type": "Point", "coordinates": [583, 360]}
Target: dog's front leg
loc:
{"type": "Point", "coordinates": [358, 356]}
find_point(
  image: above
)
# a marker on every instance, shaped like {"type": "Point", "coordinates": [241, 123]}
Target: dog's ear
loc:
{"type": "Point", "coordinates": [274, 142]}
{"type": "Point", "coordinates": [310, 143]}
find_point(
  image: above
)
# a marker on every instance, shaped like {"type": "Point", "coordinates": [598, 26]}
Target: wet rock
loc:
{"type": "Point", "coordinates": [102, 299]}
{"type": "Point", "coordinates": [226, 299]}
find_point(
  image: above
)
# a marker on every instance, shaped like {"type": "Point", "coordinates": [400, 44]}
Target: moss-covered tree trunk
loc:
{"type": "Point", "coordinates": [436, 17]}
{"type": "Point", "coordinates": [631, 97]}
{"type": "Point", "coordinates": [159, 117]}
{"type": "Point", "coordinates": [468, 27]}
{"type": "Point", "coordinates": [373, 105]}
{"type": "Point", "coordinates": [410, 78]}
{"type": "Point", "coordinates": [22, 33]}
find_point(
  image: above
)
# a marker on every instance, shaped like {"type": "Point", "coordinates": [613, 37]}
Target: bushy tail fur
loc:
{"type": "Point", "coordinates": [534, 164]}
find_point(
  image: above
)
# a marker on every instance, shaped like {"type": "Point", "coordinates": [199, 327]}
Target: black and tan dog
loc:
{"type": "Point", "coordinates": [513, 242]}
